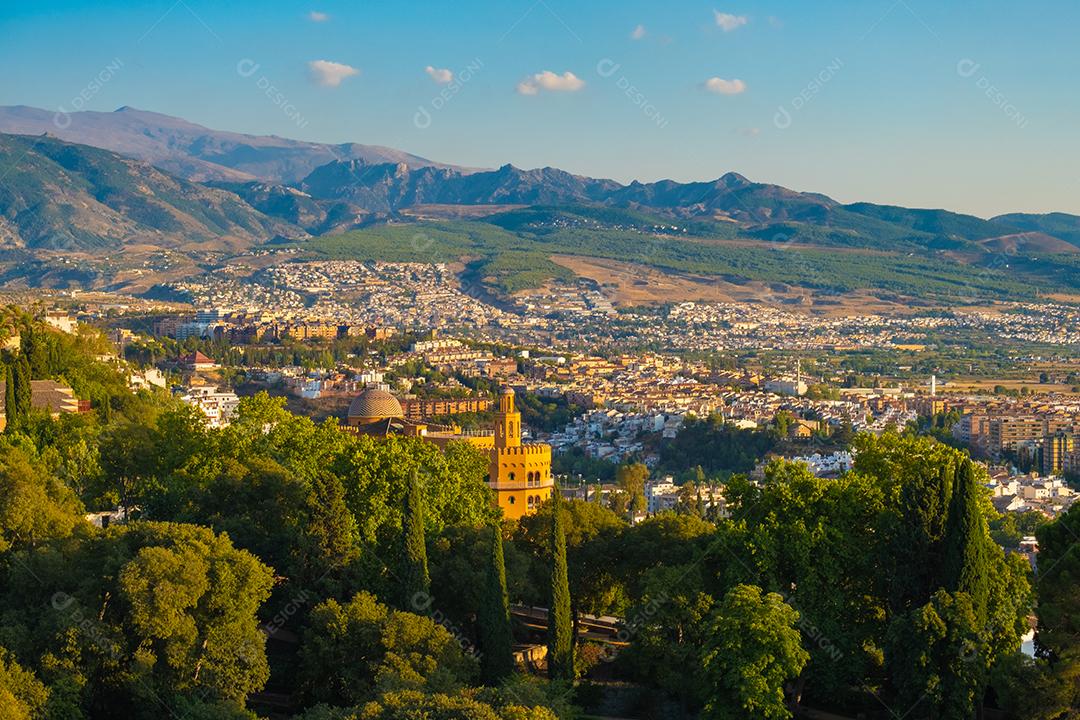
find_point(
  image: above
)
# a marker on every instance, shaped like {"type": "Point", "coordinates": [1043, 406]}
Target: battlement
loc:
{"type": "Point", "coordinates": [526, 450]}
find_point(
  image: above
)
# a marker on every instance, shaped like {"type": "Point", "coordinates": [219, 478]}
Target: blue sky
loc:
{"type": "Point", "coordinates": [969, 105]}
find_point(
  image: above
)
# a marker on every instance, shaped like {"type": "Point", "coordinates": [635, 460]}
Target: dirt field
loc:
{"type": "Point", "coordinates": [629, 284]}
{"type": "Point", "coordinates": [968, 385]}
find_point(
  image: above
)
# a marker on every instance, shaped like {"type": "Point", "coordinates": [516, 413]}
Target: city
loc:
{"type": "Point", "coordinates": [539, 360]}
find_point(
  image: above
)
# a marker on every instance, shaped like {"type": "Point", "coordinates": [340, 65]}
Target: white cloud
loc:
{"type": "Point", "coordinates": [750, 131]}
{"type": "Point", "coordinates": [330, 74]}
{"type": "Point", "coordinates": [638, 33]}
{"type": "Point", "coordinates": [439, 75]}
{"type": "Point", "coordinates": [316, 16]}
{"type": "Point", "coordinates": [729, 22]}
{"type": "Point", "coordinates": [720, 86]}
{"type": "Point", "coordinates": [547, 80]}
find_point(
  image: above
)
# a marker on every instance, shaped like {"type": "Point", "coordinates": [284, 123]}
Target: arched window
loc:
{"type": "Point", "coordinates": [511, 500]}
{"type": "Point", "coordinates": [511, 476]}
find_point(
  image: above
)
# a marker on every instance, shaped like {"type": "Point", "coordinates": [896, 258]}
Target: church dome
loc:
{"type": "Point", "coordinates": [372, 405]}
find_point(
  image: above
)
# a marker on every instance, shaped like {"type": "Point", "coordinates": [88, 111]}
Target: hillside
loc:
{"type": "Point", "coordinates": [506, 224]}
{"type": "Point", "coordinates": [59, 196]}
{"type": "Point", "coordinates": [192, 151]}
{"type": "Point", "coordinates": [731, 203]}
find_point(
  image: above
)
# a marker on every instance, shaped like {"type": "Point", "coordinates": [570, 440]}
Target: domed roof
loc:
{"type": "Point", "coordinates": [374, 403]}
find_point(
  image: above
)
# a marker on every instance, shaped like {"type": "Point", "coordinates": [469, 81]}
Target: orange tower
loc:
{"type": "Point", "coordinates": [519, 474]}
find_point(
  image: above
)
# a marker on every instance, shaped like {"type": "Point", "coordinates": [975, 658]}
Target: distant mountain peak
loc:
{"type": "Point", "coordinates": [733, 179]}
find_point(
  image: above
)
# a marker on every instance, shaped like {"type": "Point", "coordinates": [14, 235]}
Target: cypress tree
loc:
{"type": "Point", "coordinates": [23, 390]}
{"type": "Point", "coordinates": [965, 567]}
{"type": "Point", "coordinates": [11, 407]}
{"type": "Point", "coordinates": [496, 636]}
{"type": "Point", "coordinates": [560, 619]}
{"type": "Point", "coordinates": [414, 572]}
{"type": "Point", "coordinates": [919, 545]}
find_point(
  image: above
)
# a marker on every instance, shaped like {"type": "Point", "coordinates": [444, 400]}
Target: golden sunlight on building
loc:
{"type": "Point", "coordinates": [520, 474]}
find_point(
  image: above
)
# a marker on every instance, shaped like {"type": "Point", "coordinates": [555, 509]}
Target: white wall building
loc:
{"type": "Point", "coordinates": [219, 407]}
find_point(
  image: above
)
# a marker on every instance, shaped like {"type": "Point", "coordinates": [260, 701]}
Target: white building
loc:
{"type": "Point", "coordinates": [219, 407]}
{"type": "Point", "coordinates": [151, 377]}
{"type": "Point", "coordinates": [61, 321]}
{"type": "Point", "coordinates": [661, 495]}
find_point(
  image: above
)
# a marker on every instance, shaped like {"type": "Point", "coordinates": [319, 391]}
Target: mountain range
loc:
{"type": "Point", "coordinates": [59, 196]}
{"type": "Point", "coordinates": [130, 177]}
{"type": "Point", "coordinates": [192, 151]}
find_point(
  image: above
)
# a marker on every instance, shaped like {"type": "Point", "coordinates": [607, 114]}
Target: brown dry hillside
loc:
{"type": "Point", "coordinates": [1028, 243]}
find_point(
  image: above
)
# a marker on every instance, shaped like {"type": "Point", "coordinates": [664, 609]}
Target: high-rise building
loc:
{"type": "Point", "coordinates": [1056, 448]}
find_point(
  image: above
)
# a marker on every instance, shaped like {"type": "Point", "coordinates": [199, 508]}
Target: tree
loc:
{"type": "Point", "coordinates": [817, 541]}
{"type": "Point", "coordinates": [966, 542]}
{"type": "Point", "coordinates": [23, 389]}
{"type": "Point", "coordinates": [1033, 689]}
{"type": "Point", "coordinates": [1057, 638]}
{"type": "Point", "coordinates": [940, 645]}
{"type": "Point", "coordinates": [418, 705]}
{"type": "Point", "coordinates": [496, 638]}
{"type": "Point", "coordinates": [667, 628]}
{"type": "Point", "coordinates": [918, 549]}
{"type": "Point", "coordinates": [756, 649]}
{"type": "Point", "coordinates": [592, 548]}
{"type": "Point", "coordinates": [11, 406]}
{"type": "Point", "coordinates": [141, 611]}
{"type": "Point", "coordinates": [376, 474]}
{"type": "Point", "coordinates": [22, 696]}
{"type": "Point", "coordinates": [459, 559]}
{"type": "Point", "coordinates": [34, 505]}
{"type": "Point", "coordinates": [560, 657]}
{"type": "Point", "coordinates": [631, 478]}
{"type": "Point", "coordinates": [301, 528]}
{"type": "Point", "coordinates": [717, 446]}
{"type": "Point", "coordinates": [129, 456]}
{"type": "Point", "coordinates": [354, 651]}
{"type": "Point", "coordinates": [415, 581]}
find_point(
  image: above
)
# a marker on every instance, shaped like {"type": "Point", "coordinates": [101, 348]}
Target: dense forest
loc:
{"type": "Point", "coordinates": [280, 567]}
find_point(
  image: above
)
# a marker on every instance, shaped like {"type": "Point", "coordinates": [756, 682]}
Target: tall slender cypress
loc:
{"type": "Point", "coordinates": [11, 406]}
{"type": "Point", "coordinates": [965, 567]}
{"type": "Point", "coordinates": [23, 391]}
{"type": "Point", "coordinates": [496, 636]}
{"type": "Point", "coordinates": [560, 619]}
{"type": "Point", "coordinates": [414, 572]}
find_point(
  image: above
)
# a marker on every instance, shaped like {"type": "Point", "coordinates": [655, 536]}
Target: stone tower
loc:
{"type": "Point", "coordinates": [520, 474]}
